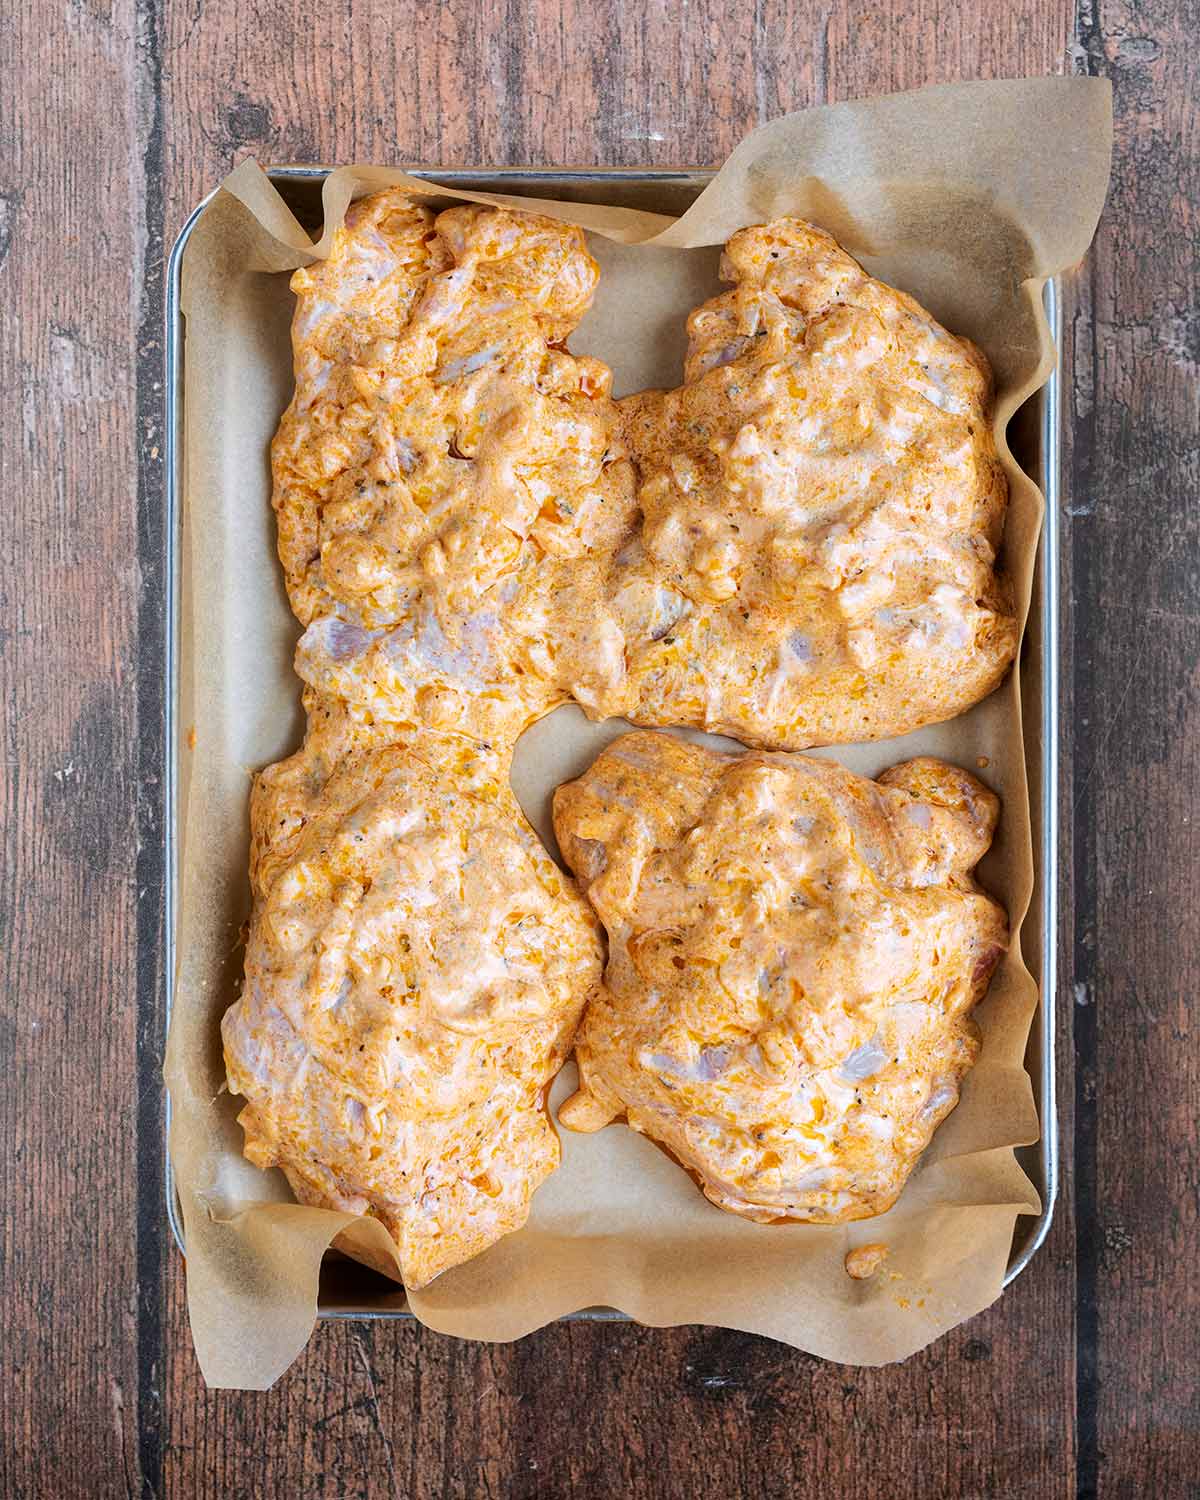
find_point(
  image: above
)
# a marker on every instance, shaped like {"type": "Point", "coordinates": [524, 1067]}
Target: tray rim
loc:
{"type": "Point", "coordinates": [1047, 594]}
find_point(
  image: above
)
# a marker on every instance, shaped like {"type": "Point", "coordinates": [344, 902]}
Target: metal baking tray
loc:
{"type": "Point", "coordinates": [351, 1291]}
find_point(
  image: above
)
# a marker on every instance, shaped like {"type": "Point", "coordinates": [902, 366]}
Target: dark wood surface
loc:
{"type": "Point", "coordinates": [120, 115]}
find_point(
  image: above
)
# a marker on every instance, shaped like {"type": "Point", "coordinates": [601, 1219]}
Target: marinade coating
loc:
{"type": "Point", "coordinates": [820, 505]}
{"type": "Point", "coordinates": [794, 953]}
{"type": "Point", "coordinates": [442, 461]}
{"type": "Point", "coordinates": [415, 969]}
{"type": "Point", "coordinates": [804, 553]}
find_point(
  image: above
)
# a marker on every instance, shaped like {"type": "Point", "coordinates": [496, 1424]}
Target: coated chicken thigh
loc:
{"type": "Point", "coordinates": [415, 971]}
{"type": "Point", "coordinates": [442, 462]}
{"type": "Point", "coordinates": [820, 504]}
{"type": "Point", "coordinates": [794, 952]}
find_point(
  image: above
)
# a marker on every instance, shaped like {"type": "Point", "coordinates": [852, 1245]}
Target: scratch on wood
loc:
{"type": "Point", "coordinates": [364, 1359]}
{"type": "Point", "coordinates": [8, 213]}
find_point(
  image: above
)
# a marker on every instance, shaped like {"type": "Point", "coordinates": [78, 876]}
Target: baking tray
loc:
{"type": "Point", "coordinates": [351, 1291]}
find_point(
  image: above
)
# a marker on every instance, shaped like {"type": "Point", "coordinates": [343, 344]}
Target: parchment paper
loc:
{"type": "Point", "coordinates": [967, 196]}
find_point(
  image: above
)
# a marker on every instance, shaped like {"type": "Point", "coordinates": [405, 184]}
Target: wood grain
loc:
{"type": "Point", "coordinates": [70, 264]}
{"type": "Point", "coordinates": [127, 114]}
{"type": "Point", "coordinates": [1135, 596]}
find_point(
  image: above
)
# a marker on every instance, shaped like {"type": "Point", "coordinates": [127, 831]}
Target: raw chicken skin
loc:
{"type": "Point", "coordinates": [794, 952]}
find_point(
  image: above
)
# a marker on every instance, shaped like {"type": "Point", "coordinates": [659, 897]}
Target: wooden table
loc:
{"type": "Point", "coordinates": [1083, 1378]}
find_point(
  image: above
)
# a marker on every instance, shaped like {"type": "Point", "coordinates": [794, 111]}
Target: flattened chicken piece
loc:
{"type": "Point", "coordinates": [415, 971]}
{"type": "Point", "coordinates": [821, 503]}
{"type": "Point", "coordinates": [794, 952]}
{"type": "Point", "coordinates": [442, 457]}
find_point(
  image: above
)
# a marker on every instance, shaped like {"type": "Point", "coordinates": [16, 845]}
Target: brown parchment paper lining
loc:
{"type": "Point", "coordinates": [968, 196]}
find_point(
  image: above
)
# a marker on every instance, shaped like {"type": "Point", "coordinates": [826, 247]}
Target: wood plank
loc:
{"type": "Point", "coordinates": [1136, 603]}
{"type": "Point", "coordinates": [71, 248]}
{"type": "Point", "coordinates": [586, 1408]}
{"type": "Point", "coordinates": [583, 82]}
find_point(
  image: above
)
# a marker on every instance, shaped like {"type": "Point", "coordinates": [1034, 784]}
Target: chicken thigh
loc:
{"type": "Point", "coordinates": [794, 953]}
{"type": "Point", "coordinates": [820, 505]}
